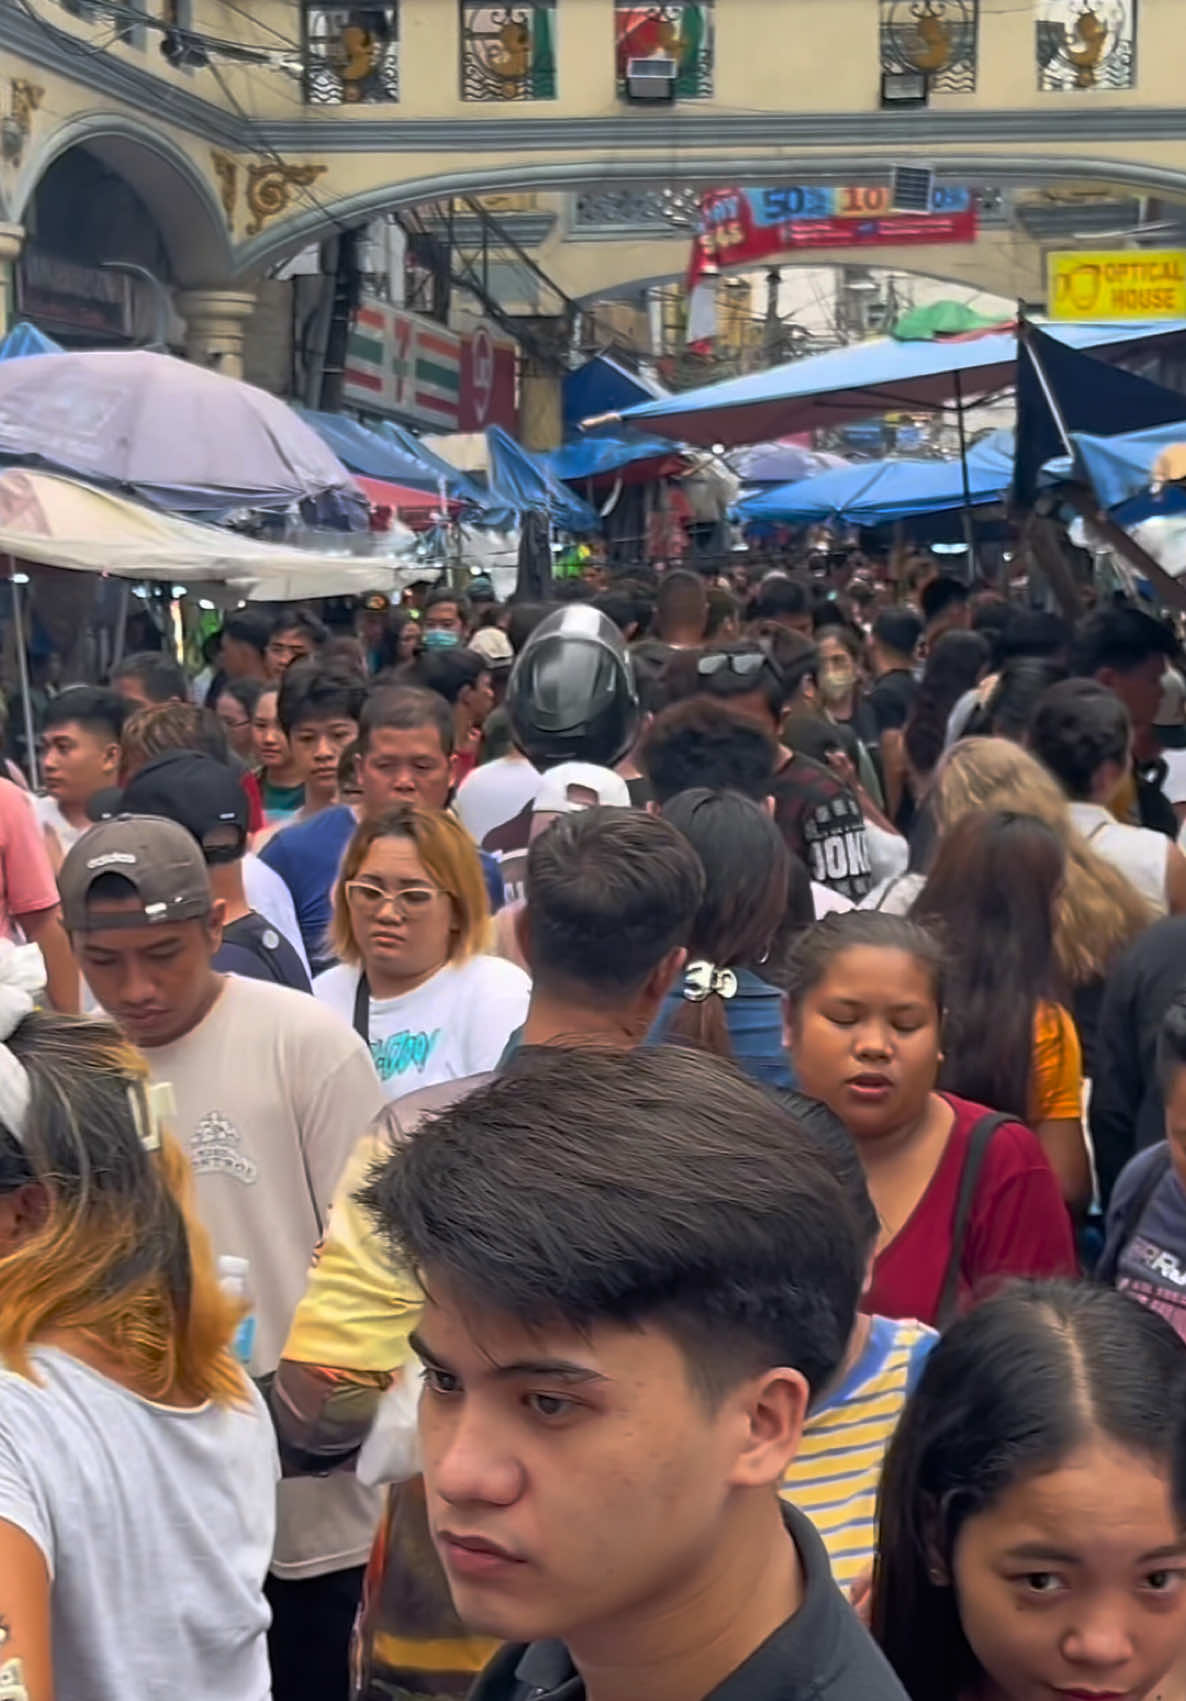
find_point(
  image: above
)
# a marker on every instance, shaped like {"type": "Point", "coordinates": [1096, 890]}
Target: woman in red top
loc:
{"type": "Point", "coordinates": [864, 1019]}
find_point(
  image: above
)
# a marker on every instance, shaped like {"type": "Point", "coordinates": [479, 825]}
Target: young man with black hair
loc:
{"type": "Point", "coordinates": [784, 600]}
{"type": "Point", "coordinates": [446, 615]}
{"type": "Point", "coordinates": [80, 755]}
{"type": "Point", "coordinates": [1128, 651]}
{"type": "Point", "coordinates": [296, 635]}
{"type": "Point", "coordinates": [405, 751]}
{"type": "Point", "coordinates": [893, 650]}
{"type": "Point", "coordinates": [615, 892]}
{"type": "Point", "coordinates": [462, 678]}
{"type": "Point", "coordinates": [148, 678]}
{"type": "Point", "coordinates": [638, 1270]}
{"type": "Point", "coordinates": [945, 604]}
{"type": "Point", "coordinates": [818, 814]}
{"type": "Point", "coordinates": [318, 711]}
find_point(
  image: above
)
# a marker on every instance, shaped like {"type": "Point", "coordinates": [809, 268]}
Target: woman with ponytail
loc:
{"type": "Point", "coordinates": [137, 1466]}
{"type": "Point", "coordinates": [722, 1003]}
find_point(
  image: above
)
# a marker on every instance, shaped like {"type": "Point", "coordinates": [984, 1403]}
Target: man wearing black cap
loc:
{"type": "Point", "coordinates": [205, 798]}
{"type": "Point", "coordinates": [271, 1091]}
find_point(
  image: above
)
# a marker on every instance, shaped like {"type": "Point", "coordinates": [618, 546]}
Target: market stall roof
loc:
{"type": "Point", "coordinates": [528, 484]}
{"type": "Point", "coordinates": [602, 385]}
{"type": "Point", "coordinates": [173, 433]}
{"type": "Point", "coordinates": [617, 453]}
{"type": "Point", "coordinates": [1121, 469]}
{"type": "Point", "coordinates": [366, 451]}
{"type": "Point", "coordinates": [874, 493]}
{"type": "Point", "coordinates": [412, 506]}
{"type": "Point", "coordinates": [458, 484]}
{"type": "Point", "coordinates": [60, 522]}
{"type": "Point", "coordinates": [847, 384]}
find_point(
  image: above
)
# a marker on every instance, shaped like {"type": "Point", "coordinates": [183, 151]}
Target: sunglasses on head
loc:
{"type": "Point", "coordinates": [745, 665]}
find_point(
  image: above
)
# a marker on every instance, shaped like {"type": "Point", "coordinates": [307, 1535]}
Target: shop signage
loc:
{"type": "Point", "coordinates": [1120, 283]}
{"type": "Point", "coordinates": [418, 371]}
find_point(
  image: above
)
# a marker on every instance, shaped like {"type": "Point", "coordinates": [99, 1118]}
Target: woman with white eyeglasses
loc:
{"type": "Point", "coordinates": [410, 930]}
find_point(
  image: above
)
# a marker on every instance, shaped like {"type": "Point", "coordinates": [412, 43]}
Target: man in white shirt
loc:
{"type": "Point", "coordinates": [270, 1093]}
{"type": "Point", "coordinates": [80, 756]}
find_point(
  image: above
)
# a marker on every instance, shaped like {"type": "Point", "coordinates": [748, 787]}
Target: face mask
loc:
{"type": "Point", "coordinates": [435, 639]}
{"type": "Point", "coordinates": [834, 686]}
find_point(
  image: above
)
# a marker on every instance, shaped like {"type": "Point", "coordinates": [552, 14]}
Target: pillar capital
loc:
{"type": "Point", "coordinates": [12, 240]}
{"type": "Point", "coordinates": [216, 323]}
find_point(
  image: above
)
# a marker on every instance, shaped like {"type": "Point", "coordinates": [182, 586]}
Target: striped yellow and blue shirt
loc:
{"type": "Point", "coordinates": [837, 1472]}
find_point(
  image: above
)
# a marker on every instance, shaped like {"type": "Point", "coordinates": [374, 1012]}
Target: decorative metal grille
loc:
{"type": "Point", "coordinates": [508, 52]}
{"type": "Point", "coordinates": [1086, 44]}
{"type": "Point", "coordinates": [636, 209]}
{"type": "Point", "coordinates": [937, 37]}
{"type": "Point", "coordinates": [351, 54]}
{"type": "Point", "coordinates": [682, 30]}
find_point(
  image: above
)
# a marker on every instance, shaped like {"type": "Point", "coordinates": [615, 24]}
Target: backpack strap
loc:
{"type": "Point", "coordinates": [978, 1144]}
{"type": "Point", "coordinates": [1126, 1227]}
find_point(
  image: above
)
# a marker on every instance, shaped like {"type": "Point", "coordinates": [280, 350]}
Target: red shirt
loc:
{"type": "Point", "coordinates": [255, 806]}
{"type": "Point", "coordinates": [1018, 1224]}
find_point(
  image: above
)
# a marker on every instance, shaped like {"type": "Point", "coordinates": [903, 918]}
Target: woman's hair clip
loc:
{"type": "Point", "coordinates": [704, 980]}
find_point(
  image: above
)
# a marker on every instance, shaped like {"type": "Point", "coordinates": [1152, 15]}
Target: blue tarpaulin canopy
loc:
{"type": "Point", "coordinates": [458, 484]}
{"type": "Point", "coordinates": [599, 457]}
{"type": "Point", "coordinates": [603, 385]}
{"type": "Point", "coordinates": [25, 339]}
{"type": "Point", "coordinates": [1120, 469]}
{"type": "Point", "coordinates": [848, 384]}
{"type": "Point", "coordinates": [529, 484]}
{"type": "Point", "coordinates": [877, 492]}
{"type": "Point", "coordinates": [366, 452]}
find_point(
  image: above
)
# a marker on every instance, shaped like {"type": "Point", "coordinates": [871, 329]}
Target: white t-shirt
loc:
{"type": "Point", "coordinates": [457, 1023]}
{"type": "Point", "coordinates": [1138, 852]}
{"type": "Point", "coordinates": [50, 815]}
{"type": "Point", "coordinates": [495, 793]}
{"type": "Point", "coordinates": [267, 895]}
{"type": "Point", "coordinates": [272, 1091]}
{"type": "Point", "coordinates": [156, 1525]}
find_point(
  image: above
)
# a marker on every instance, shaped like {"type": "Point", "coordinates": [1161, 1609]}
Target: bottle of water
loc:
{"type": "Point", "coordinates": [232, 1279]}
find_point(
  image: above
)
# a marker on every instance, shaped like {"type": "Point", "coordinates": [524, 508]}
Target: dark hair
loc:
{"type": "Point", "coordinates": [619, 605]}
{"type": "Point", "coordinates": [747, 873]}
{"type": "Point", "coordinates": [832, 627]}
{"type": "Point", "coordinates": [953, 667]}
{"type": "Point", "coordinates": [1076, 728]}
{"type": "Point", "coordinates": [404, 708]}
{"type": "Point", "coordinates": [821, 1124]}
{"type": "Point", "coordinates": [159, 676]}
{"type": "Point", "coordinates": [778, 597]}
{"type": "Point", "coordinates": [722, 606]}
{"type": "Point", "coordinates": [300, 620]}
{"type": "Point", "coordinates": [642, 1187]}
{"type": "Point", "coordinates": [443, 594]}
{"type": "Point", "coordinates": [1006, 1395]}
{"type": "Point", "coordinates": [246, 693]}
{"type": "Point", "coordinates": [523, 620]}
{"type": "Point", "coordinates": [1171, 1043]}
{"type": "Point", "coordinates": [702, 743]}
{"type": "Point", "coordinates": [1032, 632]}
{"type": "Point", "coordinates": [1010, 707]}
{"type": "Point", "coordinates": [100, 711]}
{"type": "Point", "coordinates": [248, 628]}
{"type": "Point", "coordinates": [816, 948]}
{"type": "Point", "coordinates": [310, 691]}
{"type": "Point", "coordinates": [990, 897]}
{"type": "Point", "coordinates": [609, 893]}
{"type": "Point", "coordinates": [991, 617]}
{"type": "Point", "coordinates": [1120, 638]}
{"type": "Point", "coordinates": [898, 631]}
{"type": "Point", "coordinates": [447, 672]}
{"type": "Point", "coordinates": [941, 593]}
{"type": "Point", "coordinates": [681, 600]}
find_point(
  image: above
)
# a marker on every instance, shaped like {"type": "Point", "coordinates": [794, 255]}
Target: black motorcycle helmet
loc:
{"type": "Point", "coordinates": [571, 695]}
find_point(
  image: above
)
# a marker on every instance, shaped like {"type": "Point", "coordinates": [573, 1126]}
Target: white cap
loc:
{"type": "Point", "coordinates": [565, 790]}
{"type": "Point", "coordinates": [493, 645]}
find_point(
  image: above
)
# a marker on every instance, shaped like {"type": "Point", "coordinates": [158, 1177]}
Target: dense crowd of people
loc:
{"type": "Point", "coordinates": [632, 1145]}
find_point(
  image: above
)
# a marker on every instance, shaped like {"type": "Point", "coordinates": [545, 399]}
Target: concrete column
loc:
{"type": "Point", "coordinates": [216, 324]}
{"type": "Point", "coordinates": [541, 405]}
{"type": "Point", "coordinates": [12, 240]}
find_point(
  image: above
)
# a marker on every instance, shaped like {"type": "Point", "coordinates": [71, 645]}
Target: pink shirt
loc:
{"type": "Point", "coordinates": [26, 878]}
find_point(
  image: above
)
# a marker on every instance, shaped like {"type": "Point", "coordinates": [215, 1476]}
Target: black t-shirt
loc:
{"type": "Point", "coordinates": [821, 1653]}
{"type": "Point", "coordinates": [821, 821]}
{"type": "Point", "coordinates": [891, 699]}
{"type": "Point", "coordinates": [251, 946]}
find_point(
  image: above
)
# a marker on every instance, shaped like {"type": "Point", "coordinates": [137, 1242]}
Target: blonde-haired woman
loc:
{"type": "Point", "coordinates": [410, 927]}
{"type": "Point", "coordinates": [137, 1463]}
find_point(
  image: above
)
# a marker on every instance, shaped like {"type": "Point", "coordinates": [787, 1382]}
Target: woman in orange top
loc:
{"type": "Point", "coordinates": [1008, 1042]}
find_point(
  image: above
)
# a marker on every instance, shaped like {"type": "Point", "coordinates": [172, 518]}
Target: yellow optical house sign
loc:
{"type": "Point", "coordinates": [1147, 283]}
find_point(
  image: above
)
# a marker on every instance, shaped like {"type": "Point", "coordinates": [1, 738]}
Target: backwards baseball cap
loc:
{"type": "Point", "coordinates": [574, 786]}
{"type": "Point", "coordinates": [493, 646]}
{"type": "Point", "coordinates": [197, 791]}
{"type": "Point", "coordinates": [160, 861]}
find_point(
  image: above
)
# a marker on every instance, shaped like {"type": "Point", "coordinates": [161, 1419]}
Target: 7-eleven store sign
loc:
{"type": "Point", "coordinates": [401, 364]}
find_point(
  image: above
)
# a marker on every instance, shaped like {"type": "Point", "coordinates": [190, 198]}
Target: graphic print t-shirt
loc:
{"type": "Point", "coordinates": [821, 821]}
{"type": "Point", "coordinates": [457, 1023]}
{"type": "Point", "coordinates": [1152, 1263]}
